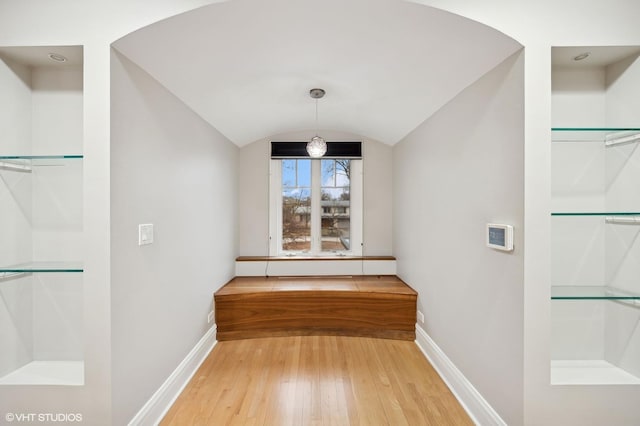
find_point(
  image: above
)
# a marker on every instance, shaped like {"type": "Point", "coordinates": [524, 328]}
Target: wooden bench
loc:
{"type": "Point", "coordinates": [371, 306]}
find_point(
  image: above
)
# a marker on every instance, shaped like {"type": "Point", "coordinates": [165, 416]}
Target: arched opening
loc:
{"type": "Point", "coordinates": [435, 97]}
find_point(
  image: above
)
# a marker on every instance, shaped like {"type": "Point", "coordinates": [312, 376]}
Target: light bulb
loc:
{"type": "Point", "coordinates": [316, 147]}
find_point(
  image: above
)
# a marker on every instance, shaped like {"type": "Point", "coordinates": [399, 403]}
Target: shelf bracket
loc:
{"type": "Point", "coordinates": [621, 138]}
{"type": "Point", "coordinates": [628, 220]}
{"type": "Point", "coordinates": [9, 275]}
{"type": "Point", "coordinates": [629, 302]}
{"type": "Point", "coordinates": [15, 167]}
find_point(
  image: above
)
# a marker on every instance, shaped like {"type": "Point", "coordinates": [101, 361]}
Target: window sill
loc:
{"type": "Point", "coordinates": [308, 258]}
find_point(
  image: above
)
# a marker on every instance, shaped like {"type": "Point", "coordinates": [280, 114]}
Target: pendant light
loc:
{"type": "Point", "coordinates": [317, 146]}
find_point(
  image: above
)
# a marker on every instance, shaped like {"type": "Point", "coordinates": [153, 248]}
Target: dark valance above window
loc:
{"type": "Point", "coordinates": [351, 150]}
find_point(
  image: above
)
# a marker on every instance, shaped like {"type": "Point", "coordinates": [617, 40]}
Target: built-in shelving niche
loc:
{"type": "Point", "coordinates": [595, 218]}
{"type": "Point", "coordinates": [41, 184]}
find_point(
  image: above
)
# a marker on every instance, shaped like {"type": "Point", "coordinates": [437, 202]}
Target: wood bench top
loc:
{"type": "Point", "coordinates": [361, 284]}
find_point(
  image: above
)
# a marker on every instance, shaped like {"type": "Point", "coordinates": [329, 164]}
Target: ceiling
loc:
{"type": "Point", "coordinates": [598, 56]}
{"type": "Point", "coordinates": [246, 66]}
{"type": "Point", "coordinates": [41, 56]}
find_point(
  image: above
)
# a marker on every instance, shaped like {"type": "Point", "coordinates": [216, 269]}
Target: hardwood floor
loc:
{"type": "Point", "coordinates": [316, 380]}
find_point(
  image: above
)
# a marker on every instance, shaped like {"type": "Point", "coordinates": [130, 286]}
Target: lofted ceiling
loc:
{"type": "Point", "coordinates": [246, 66]}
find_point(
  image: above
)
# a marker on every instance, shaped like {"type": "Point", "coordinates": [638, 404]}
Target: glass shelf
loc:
{"type": "Point", "coordinates": [592, 293]}
{"type": "Point", "coordinates": [30, 267]}
{"type": "Point", "coordinates": [40, 157]}
{"type": "Point", "coordinates": [25, 163]}
{"type": "Point", "coordinates": [595, 214]}
{"type": "Point", "coordinates": [610, 136]}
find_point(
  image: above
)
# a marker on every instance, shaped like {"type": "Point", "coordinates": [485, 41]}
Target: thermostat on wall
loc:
{"type": "Point", "coordinates": [500, 236]}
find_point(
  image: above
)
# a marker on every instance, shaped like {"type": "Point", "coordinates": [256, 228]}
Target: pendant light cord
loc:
{"type": "Point", "coordinates": [316, 116]}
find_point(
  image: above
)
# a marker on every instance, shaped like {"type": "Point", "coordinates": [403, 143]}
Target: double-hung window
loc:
{"type": "Point", "coordinates": [316, 206]}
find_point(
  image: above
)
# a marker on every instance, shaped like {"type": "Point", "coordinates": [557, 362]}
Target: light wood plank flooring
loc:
{"type": "Point", "coordinates": [316, 380]}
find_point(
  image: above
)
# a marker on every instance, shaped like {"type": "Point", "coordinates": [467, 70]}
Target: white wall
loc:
{"type": "Point", "coordinates": [16, 323]}
{"type": "Point", "coordinates": [173, 170]}
{"type": "Point", "coordinates": [16, 294]}
{"type": "Point", "coordinates": [253, 181]}
{"type": "Point", "coordinates": [578, 97]}
{"type": "Point", "coordinates": [622, 268]}
{"type": "Point", "coordinates": [15, 191]}
{"type": "Point", "coordinates": [57, 185]}
{"type": "Point", "coordinates": [622, 103]}
{"type": "Point", "coordinates": [378, 199]}
{"type": "Point", "coordinates": [577, 250]}
{"type": "Point", "coordinates": [253, 199]}
{"type": "Point", "coordinates": [458, 171]}
{"type": "Point", "coordinates": [57, 212]}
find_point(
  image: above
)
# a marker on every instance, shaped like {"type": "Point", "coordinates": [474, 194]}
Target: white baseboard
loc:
{"type": "Point", "coordinates": [471, 400]}
{"type": "Point", "coordinates": [155, 409]}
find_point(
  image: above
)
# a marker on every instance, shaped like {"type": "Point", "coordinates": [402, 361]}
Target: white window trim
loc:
{"type": "Point", "coordinates": [275, 211]}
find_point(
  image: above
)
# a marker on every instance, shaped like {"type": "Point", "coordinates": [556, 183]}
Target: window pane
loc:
{"type": "Point", "coordinates": [289, 173]}
{"type": "Point", "coordinates": [304, 173]}
{"type": "Point", "coordinates": [296, 205]}
{"type": "Point", "coordinates": [335, 205]}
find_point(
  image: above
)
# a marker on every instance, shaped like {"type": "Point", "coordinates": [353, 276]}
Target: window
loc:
{"type": "Point", "coordinates": [335, 197]}
{"type": "Point", "coordinates": [316, 206]}
{"type": "Point", "coordinates": [296, 205]}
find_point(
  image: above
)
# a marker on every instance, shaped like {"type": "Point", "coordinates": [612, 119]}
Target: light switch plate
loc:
{"type": "Point", "coordinates": [145, 233]}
